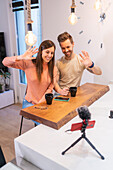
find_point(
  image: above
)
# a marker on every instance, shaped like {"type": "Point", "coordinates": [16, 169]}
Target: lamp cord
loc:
{"type": "Point", "coordinates": [73, 4]}
{"type": "Point", "coordinates": [29, 12]}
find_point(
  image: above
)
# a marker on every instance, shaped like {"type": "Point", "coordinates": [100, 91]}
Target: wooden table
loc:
{"type": "Point", "coordinates": [42, 145]}
{"type": "Point", "coordinates": [60, 112]}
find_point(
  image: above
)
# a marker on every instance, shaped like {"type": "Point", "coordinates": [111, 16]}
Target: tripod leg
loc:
{"type": "Point", "coordinates": [72, 145]}
{"type": "Point", "coordinates": [102, 157]}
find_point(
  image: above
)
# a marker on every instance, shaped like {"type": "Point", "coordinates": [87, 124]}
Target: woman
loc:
{"type": "Point", "coordinates": [40, 71]}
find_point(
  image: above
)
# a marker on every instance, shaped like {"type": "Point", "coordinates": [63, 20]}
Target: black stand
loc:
{"type": "Point", "coordinates": [2, 159]}
{"type": "Point", "coordinates": [83, 136]}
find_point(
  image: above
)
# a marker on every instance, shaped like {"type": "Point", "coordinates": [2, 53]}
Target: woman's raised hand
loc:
{"type": "Point", "coordinates": [28, 54]}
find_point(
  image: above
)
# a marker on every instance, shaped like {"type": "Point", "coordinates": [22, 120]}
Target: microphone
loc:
{"type": "Point", "coordinates": [84, 113]}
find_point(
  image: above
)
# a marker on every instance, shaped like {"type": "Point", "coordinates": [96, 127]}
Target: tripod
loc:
{"type": "Point", "coordinates": [83, 136]}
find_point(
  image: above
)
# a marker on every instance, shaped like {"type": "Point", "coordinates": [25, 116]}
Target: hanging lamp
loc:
{"type": "Point", "coordinates": [30, 38]}
{"type": "Point", "coordinates": [73, 18]}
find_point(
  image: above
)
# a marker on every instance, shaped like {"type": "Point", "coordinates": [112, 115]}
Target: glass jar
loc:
{"type": "Point", "coordinates": [7, 83]}
{"type": "Point", "coordinates": [2, 84]}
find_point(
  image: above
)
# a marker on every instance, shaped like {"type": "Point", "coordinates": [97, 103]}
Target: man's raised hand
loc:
{"type": "Point", "coordinates": [86, 60]}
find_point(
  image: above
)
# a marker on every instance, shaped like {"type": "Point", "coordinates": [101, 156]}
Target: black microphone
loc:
{"type": "Point", "coordinates": [84, 113]}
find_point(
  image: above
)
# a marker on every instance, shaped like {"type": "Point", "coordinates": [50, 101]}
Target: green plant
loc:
{"type": "Point", "coordinates": [5, 74]}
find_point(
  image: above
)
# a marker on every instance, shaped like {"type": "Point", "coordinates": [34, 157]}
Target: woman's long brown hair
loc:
{"type": "Point", "coordinates": [39, 61]}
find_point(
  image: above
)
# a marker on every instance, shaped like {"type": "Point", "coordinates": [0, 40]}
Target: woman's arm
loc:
{"type": "Point", "coordinates": [10, 61]}
{"type": "Point", "coordinates": [49, 90]}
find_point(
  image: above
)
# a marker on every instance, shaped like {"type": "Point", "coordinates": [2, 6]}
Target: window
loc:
{"type": "Point", "coordinates": [20, 30]}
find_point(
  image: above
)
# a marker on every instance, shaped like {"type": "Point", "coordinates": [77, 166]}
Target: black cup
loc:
{"type": "Point", "coordinates": [49, 98]}
{"type": "Point", "coordinates": [111, 114]}
{"type": "Point", "coordinates": [73, 91]}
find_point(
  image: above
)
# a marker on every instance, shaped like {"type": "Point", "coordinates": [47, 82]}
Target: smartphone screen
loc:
{"type": "Point", "coordinates": [62, 98]}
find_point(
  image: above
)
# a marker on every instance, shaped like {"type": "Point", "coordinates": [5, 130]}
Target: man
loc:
{"type": "Point", "coordinates": [71, 65]}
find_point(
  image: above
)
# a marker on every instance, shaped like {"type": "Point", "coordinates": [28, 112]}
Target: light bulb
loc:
{"type": "Point", "coordinates": [72, 19]}
{"type": "Point", "coordinates": [97, 4]}
{"type": "Point", "coordinates": [30, 38]}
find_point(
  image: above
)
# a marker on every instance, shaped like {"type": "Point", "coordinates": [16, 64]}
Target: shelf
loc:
{"type": "Point", "coordinates": [6, 98]}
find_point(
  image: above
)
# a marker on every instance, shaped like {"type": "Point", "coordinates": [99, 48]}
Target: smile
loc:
{"type": "Point", "coordinates": [48, 58]}
{"type": "Point", "coordinates": [67, 53]}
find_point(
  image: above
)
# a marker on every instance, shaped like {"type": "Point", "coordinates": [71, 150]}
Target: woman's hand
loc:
{"type": "Point", "coordinates": [28, 54]}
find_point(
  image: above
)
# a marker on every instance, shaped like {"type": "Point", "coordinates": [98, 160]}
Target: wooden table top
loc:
{"type": "Point", "coordinates": [60, 112]}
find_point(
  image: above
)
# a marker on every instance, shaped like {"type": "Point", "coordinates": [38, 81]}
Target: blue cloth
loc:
{"type": "Point", "coordinates": [28, 104]}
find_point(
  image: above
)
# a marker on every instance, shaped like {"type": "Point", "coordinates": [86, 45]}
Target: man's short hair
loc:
{"type": "Point", "coordinates": [64, 36]}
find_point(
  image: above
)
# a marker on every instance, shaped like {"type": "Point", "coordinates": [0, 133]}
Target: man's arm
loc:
{"type": "Point", "coordinates": [90, 66]}
{"type": "Point", "coordinates": [57, 88]}
{"type": "Point", "coordinates": [63, 91]}
{"type": "Point", "coordinates": [95, 70]}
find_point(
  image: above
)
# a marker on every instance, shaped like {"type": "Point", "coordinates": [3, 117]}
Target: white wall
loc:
{"type": "Point", "coordinates": [7, 26]}
{"type": "Point", "coordinates": [4, 25]}
{"type": "Point", "coordinates": [55, 21]}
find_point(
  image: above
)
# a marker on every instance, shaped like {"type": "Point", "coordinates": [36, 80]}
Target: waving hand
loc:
{"type": "Point", "coordinates": [86, 60]}
{"type": "Point", "coordinates": [28, 54]}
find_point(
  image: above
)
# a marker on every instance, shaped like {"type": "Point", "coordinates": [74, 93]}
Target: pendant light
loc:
{"type": "Point", "coordinates": [73, 18]}
{"type": "Point", "coordinates": [30, 38]}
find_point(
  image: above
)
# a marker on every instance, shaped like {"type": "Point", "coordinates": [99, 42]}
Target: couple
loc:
{"type": "Point", "coordinates": [42, 74]}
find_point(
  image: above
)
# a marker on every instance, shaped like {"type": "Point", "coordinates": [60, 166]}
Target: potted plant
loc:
{"type": "Point", "coordinates": [6, 77]}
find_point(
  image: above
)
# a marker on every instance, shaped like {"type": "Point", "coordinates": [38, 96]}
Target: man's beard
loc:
{"type": "Point", "coordinates": [68, 54]}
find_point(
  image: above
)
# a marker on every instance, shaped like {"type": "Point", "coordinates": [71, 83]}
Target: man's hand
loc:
{"type": "Point", "coordinates": [64, 91]}
{"type": "Point", "coordinates": [86, 60]}
{"type": "Point", "coordinates": [28, 54]}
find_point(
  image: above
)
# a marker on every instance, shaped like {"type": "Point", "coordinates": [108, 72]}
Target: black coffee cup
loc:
{"type": "Point", "coordinates": [49, 98]}
{"type": "Point", "coordinates": [111, 114]}
{"type": "Point", "coordinates": [73, 91]}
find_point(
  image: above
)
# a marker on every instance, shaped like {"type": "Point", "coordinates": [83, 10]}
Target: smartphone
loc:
{"type": "Point", "coordinates": [78, 126]}
{"type": "Point", "coordinates": [62, 99]}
